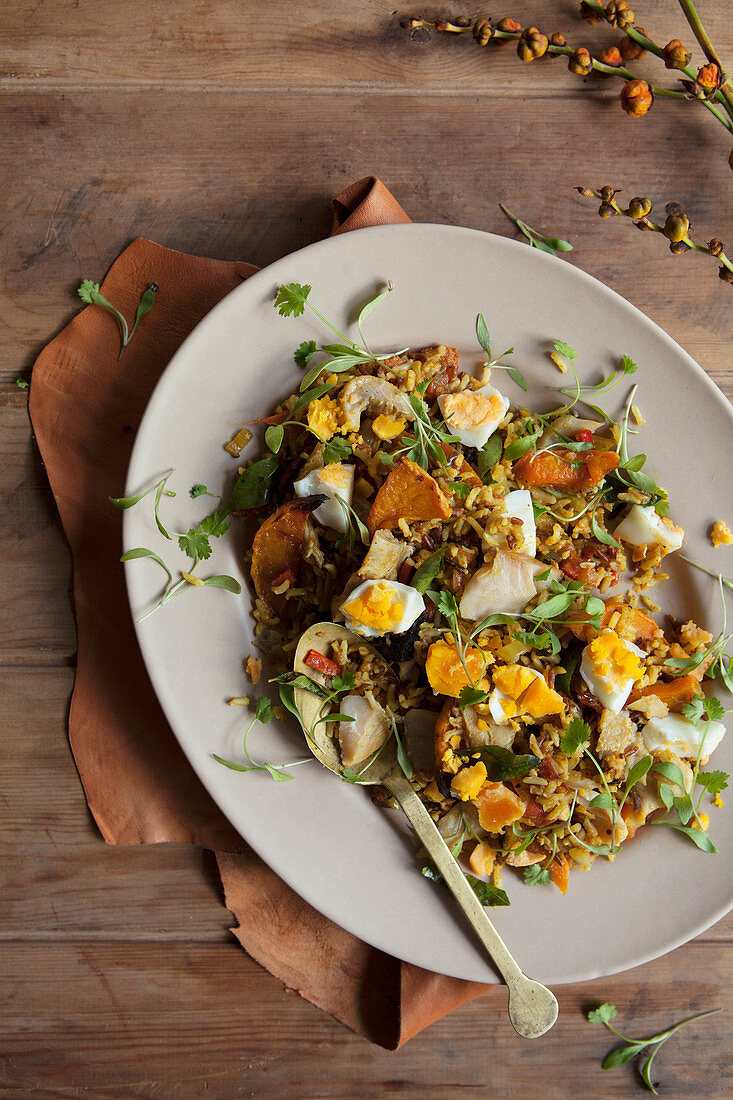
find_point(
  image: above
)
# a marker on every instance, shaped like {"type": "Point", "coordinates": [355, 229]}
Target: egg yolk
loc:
{"type": "Point", "coordinates": [375, 607]}
{"type": "Point", "coordinates": [472, 410]}
{"type": "Point", "coordinates": [446, 674]}
{"type": "Point", "coordinates": [388, 427]}
{"type": "Point", "coordinates": [336, 476]}
{"type": "Point", "coordinates": [613, 659]}
{"type": "Point", "coordinates": [323, 417]}
{"type": "Point", "coordinates": [527, 694]}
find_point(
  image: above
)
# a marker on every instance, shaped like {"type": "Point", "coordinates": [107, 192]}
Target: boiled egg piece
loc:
{"type": "Point", "coordinates": [521, 690]}
{"type": "Point", "coordinates": [473, 415]}
{"type": "Point", "coordinates": [682, 736]}
{"type": "Point", "coordinates": [518, 505]}
{"type": "Point", "coordinates": [376, 608]}
{"type": "Point", "coordinates": [336, 482]}
{"type": "Point", "coordinates": [643, 526]}
{"type": "Point", "coordinates": [610, 667]}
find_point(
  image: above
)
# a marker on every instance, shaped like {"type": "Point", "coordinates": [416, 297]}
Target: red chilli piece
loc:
{"type": "Point", "coordinates": [317, 661]}
{"type": "Point", "coordinates": [585, 435]}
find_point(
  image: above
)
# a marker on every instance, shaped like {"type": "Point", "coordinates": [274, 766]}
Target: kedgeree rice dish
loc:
{"type": "Point", "coordinates": [489, 569]}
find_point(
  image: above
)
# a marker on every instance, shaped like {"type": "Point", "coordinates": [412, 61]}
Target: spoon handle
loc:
{"type": "Point", "coordinates": [532, 1007]}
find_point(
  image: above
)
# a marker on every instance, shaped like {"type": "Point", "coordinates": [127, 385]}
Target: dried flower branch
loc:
{"type": "Point", "coordinates": [676, 227]}
{"type": "Point", "coordinates": [709, 85]}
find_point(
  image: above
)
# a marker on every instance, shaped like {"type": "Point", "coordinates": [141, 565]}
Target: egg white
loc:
{"type": "Point", "coordinates": [473, 435]}
{"type": "Point", "coordinates": [642, 525]}
{"type": "Point", "coordinates": [410, 602]}
{"type": "Point", "coordinates": [333, 481]}
{"type": "Point", "coordinates": [518, 505]}
{"type": "Point", "coordinates": [681, 735]}
{"type": "Point", "coordinates": [609, 690]}
{"type": "Point", "coordinates": [497, 697]}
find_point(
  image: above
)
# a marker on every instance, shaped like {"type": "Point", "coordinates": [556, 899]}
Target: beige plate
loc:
{"type": "Point", "coordinates": [328, 841]}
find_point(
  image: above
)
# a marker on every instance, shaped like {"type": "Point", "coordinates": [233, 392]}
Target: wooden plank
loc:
{"type": "Point", "coordinates": [188, 1020]}
{"type": "Point", "coordinates": [254, 192]}
{"type": "Point", "coordinates": [57, 876]}
{"type": "Point", "coordinates": [345, 48]}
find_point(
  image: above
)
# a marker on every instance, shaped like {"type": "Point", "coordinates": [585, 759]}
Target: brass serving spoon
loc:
{"type": "Point", "coordinates": [532, 1007]}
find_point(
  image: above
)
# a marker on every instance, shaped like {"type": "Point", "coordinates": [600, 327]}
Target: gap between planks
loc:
{"type": "Point", "coordinates": [31, 86]}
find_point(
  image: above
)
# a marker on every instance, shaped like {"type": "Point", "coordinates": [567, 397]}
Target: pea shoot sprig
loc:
{"type": "Point", "coordinates": [633, 1047]}
{"type": "Point", "coordinates": [89, 293]}
{"type": "Point", "coordinates": [264, 713]}
{"type": "Point", "coordinates": [195, 542]}
{"type": "Point", "coordinates": [555, 246]}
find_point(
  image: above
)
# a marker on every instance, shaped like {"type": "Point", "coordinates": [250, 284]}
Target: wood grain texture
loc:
{"type": "Point", "coordinates": [223, 129]}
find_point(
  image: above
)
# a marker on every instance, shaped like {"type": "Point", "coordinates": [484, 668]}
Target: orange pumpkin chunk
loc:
{"type": "Point", "coordinates": [498, 806]}
{"type": "Point", "coordinates": [408, 493]}
{"type": "Point", "coordinates": [277, 550]}
{"type": "Point", "coordinates": [558, 469]}
{"type": "Point", "coordinates": [560, 873]}
{"type": "Point", "coordinates": [634, 625]}
{"type": "Point", "coordinates": [674, 693]}
{"type": "Point", "coordinates": [481, 859]}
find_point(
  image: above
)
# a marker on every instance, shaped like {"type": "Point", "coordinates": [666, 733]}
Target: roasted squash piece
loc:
{"type": "Point", "coordinates": [408, 493]}
{"type": "Point", "coordinates": [633, 625]}
{"type": "Point", "coordinates": [498, 806]}
{"type": "Point", "coordinates": [674, 692]}
{"type": "Point", "coordinates": [558, 469]}
{"type": "Point", "coordinates": [560, 873]}
{"type": "Point", "coordinates": [278, 547]}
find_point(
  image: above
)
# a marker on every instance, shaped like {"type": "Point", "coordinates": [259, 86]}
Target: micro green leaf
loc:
{"type": "Point", "coordinates": [501, 763]}
{"type": "Point", "coordinates": [274, 437]}
{"type": "Point", "coordinates": [253, 484]}
{"type": "Point", "coordinates": [305, 352]}
{"type": "Point", "coordinates": [488, 457]}
{"type": "Point", "coordinates": [427, 571]}
{"type": "Point", "coordinates": [482, 334]}
{"type": "Point", "coordinates": [576, 736]}
{"type": "Point", "coordinates": [603, 1014]}
{"type": "Point", "coordinates": [537, 875]}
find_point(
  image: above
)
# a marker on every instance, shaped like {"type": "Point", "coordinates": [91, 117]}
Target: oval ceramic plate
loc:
{"type": "Point", "coordinates": [349, 859]}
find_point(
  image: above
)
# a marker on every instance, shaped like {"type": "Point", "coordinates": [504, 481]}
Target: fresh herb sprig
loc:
{"type": "Point", "coordinates": [89, 293]}
{"type": "Point", "coordinates": [486, 893]}
{"type": "Point", "coordinates": [555, 246]}
{"type": "Point", "coordinates": [195, 543]}
{"type": "Point", "coordinates": [293, 299]}
{"type": "Point", "coordinates": [264, 713]}
{"type": "Point", "coordinates": [626, 367]}
{"type": "Point", "coordinates": [482, 335]}
{"type": "Point", "coordinates": [632, 1047]}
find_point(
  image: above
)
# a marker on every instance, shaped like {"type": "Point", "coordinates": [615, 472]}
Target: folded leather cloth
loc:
{"type": "Point", "coordinates": [85, 406]}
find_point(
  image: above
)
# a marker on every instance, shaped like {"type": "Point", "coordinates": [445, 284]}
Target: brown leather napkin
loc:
{"type": "Point", "coordinates": [85, 406]}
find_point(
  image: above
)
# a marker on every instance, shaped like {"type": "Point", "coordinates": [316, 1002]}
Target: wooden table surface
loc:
{"type": "Point", "coordinates": [223, 129]}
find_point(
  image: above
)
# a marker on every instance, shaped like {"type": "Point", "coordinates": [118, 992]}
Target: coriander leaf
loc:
{"type": "Point", "coordinates": [628, 366]}
{"type": "Point", "coordinates": [427, 571]}
{"type": "Point", "coordinates": [305, 352]}
{"type": "Point", "coordinates": [469, 696]}
{"type": "Point", "coordinates": [429, 870]}
{"type": "Point", "coordinates": [21, 383]}
{"type": "Point", "coordinates": [345, 682]}
{"type": "Point", "coordinates": [88, 291]}
{"type": "Point", "coordinates": [198, 491]}
{"type": "Point", "coordinates": [265, 710]}
{"type": "Point", "coordinates": [713, 782]}
{"type": "Point", "coordinates": [217, 522]}
{"type": "Point", "coordinates": [337, 449]}
{"type": "Point", "coordinates": [291, 299]}
{"type": "Point", "coordinates": [693, 711]}
{"type": "Point", "coordinates": [577, 735]}
{"type": "Point", "coordinates": [482, 334]}
{"type": "Point", "coordinates": [537, 875]}
{"type": "Point", "coordinates": [253, 484]}
{"type": "Point", "coordinates": [274, 437]}
{"type": "Point", "coordinates": [460, 488]}
{"type": "Point", "coordinates": [195, 543]}
{"type": "Point", "coordinates": [714, 709]}
{"type": "Point", "coordinates": [603, 1014]}
{"type": "Point", "coordinates": [501, 763]}
{"type": "Point", "coordinates": [446, 604]}
{"type": "Point", "coordinates": [488, 457]}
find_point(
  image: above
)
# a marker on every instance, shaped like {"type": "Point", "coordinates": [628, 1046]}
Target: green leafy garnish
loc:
{"type": "Point", "coordinates": [537, 875]}
{"type": "Point", "coordinates": [631, 1047]}
{"type": "Point", "coordinates": [427, 571]}
{"type": "Point", "coordinates": [482, 335]}
{"type": "Point", "coordinates": [274, 436]}
{"type": "Point", "coordinates": [555, 246]}
{"type": "Point", "coordinates": [21, 383]}
{"type": "Point", "coordinates": [488, 457]}
{"type": "Point", "coordinates": [305, 352]}
{"type": "Point", "coordinates": [469, 696]}
{"type": "Point", "coordinates": [484, 891]}
{"type": "Point", "coordinates": [713, 782]}
{"type": "Point", "coordinates": [291, 299]}
{"type": "Point", "coordinates": [264, 713]}
{"type": "Point", "coordinates": [199, 491]}
{"type": "Point", "coordinates": [337, 449]}
{"type": "Point", "coordinates": [501, 763]}
{"type": "Point", "coordinates": [253, 484]}
{"type": "Point", "coordinates": [576, 736]}
{"type": "Point", "coordinates": [89, 293]}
